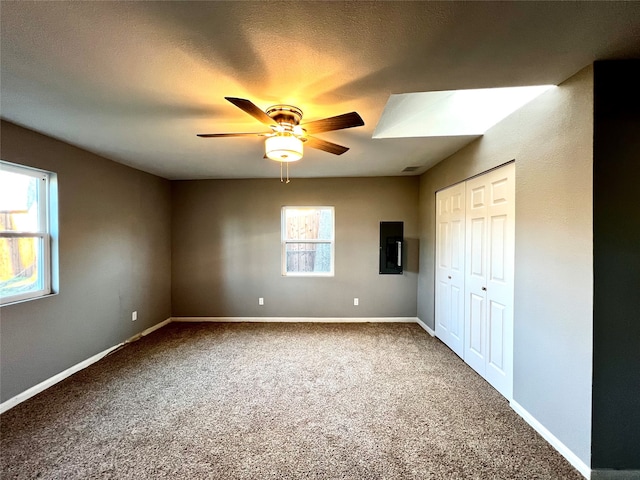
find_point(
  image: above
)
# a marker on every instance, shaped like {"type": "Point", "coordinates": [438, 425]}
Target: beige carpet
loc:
{"type": "Point", "coordinates": [276, 401]}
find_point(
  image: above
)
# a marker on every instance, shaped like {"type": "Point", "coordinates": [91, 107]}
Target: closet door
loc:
{"type": "Point", "coordinates": [450, 248]}
{"type": "Point", "coordinates": [490, 228]}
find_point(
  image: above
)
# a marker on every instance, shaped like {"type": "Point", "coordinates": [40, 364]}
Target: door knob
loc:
{"type": "Point", "coordinates": [484, 288]}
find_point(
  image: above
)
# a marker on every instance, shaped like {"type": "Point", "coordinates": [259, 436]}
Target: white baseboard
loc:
{"type": "Point", "coordinates": [571, 457]}
{"type": "Point", "coordinates": [147, 331]}
{"type": "Point", "coordinates": [425, 327]}
{"type": "Point", "coordinates": [36, 389]}
{"type": "Point", "coordinates": [298, 319]}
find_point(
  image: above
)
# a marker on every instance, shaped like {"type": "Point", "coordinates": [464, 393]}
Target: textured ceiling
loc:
{"type": "Point", "coordinates": [135, 81]}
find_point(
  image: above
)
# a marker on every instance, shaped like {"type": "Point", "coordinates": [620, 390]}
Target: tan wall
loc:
{"type": "Point", "coordinates": [551, 142]}
{"type": "Point", "coordinates": [226, 248]}
{"type": "Point", "coordinates": [114, 257]}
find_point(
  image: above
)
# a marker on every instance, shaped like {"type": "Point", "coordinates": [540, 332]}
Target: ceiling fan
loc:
{"type": "Point", "coordinates": [286, 137]}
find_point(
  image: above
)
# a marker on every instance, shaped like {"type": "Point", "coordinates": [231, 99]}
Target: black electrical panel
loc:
{"type": "Point", "coordinates": [391, 246]}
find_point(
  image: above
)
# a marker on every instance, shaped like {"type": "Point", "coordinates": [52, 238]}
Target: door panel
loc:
{"type": "Point", "coordinates": [457, 314]}
{"type": "Point", "coordinates": [476, 252]}
{"type": "Point", "coordinates": [497, 248]}
{"type": "Point", "coordinates": [475, 296]}
{"type": "Point", "coordinates": [444, 251]}
{"type": "Point", "coordinates": [496, 331]}
{"type": "Point", "coordinates": [477, 196]}
{"type": "Point", "coordinates": [500, 190]}
{"type": "Point", "coordinates": [490, 275]}
{"type": "Point", "coordinates": [443, 205]}
{"type": "Point", "coordinates": [476, 317]}
{"type": "Point", "coordinates": [450, 245]}
{"type": "Point", "coordinates": [443, 307]}
{"type": "Point", "coordinates": [474, 353]}
{"type": "Point", "coordinates": [457, 200]}
{"type": "Point", "coordinates": [443, 295]}
{"type": "Point", "coordinates": [457, 245]}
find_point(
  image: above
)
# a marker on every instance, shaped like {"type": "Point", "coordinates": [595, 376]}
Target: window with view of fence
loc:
{"type": "Point", "coordinates": [307, 240]}
{"type": "Point", "coordinates": [24, 233]}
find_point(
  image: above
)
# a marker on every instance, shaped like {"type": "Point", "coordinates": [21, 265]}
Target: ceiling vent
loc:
{"type": "Point", "coordinates": [410, 169]}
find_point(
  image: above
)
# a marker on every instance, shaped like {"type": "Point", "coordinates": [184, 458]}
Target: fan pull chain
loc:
{"type": "Point", "coordinates": [282, 179]}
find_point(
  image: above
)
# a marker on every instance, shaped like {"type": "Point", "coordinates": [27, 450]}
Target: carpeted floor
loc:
{"type": "Point", "coordinates": [276, 401]}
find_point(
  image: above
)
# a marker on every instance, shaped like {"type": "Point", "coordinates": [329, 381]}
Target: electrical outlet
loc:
{"type": "Point", "coordinates": [261, 301]}
{"type": "Point", "coordinates": [356, 301]}
{"type": "Point", "coordinates": [134, 316]}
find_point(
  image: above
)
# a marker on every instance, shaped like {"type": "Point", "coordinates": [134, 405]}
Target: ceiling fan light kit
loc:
{"type": "Point", "coordinates": [284, 143]}
{"type": "Point", "coordinates": [283, 147]}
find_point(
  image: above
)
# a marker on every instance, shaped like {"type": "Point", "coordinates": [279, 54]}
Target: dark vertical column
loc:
{"type": "Point", "coordinates": [616, 262]}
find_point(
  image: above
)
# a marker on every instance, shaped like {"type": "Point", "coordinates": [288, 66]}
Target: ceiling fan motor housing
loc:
{"type": "Point", "coordinates": [285, 115]}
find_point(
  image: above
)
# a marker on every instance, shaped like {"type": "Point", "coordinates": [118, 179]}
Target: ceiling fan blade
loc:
{"type": "Point", "coordinates": [346, 120]}
{"type": "Point", "coordinates": [330, 147]}
{"type": "Point", "coordinates": [222, 135]}
{"type": "Point", "coordinates": [252, 109]}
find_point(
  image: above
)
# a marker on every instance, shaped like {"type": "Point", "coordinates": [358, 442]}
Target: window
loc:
{"type": "Point", "coordinates": [25, 240]}
{"type": "Point", "coordinates": [307, 241]}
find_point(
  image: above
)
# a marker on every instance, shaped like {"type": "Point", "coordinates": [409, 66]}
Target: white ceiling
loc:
{"type": "Point", "coordinates": [135, 81]}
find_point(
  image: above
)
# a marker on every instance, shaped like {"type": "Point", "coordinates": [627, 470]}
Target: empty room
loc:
{"type": "Point", "coordinates": [328, 240]}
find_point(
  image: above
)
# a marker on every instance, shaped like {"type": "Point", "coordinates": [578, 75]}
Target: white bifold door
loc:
{"type": "Point", "coordinates": [450, 254]}
{"type": "Point", "coordinates": [488, 265]}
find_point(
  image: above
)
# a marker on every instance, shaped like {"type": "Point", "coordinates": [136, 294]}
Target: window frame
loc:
{"type": "Point", "coordinates": [285, 241]}
{"type": "Point", "coordinates": [43, 232]}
